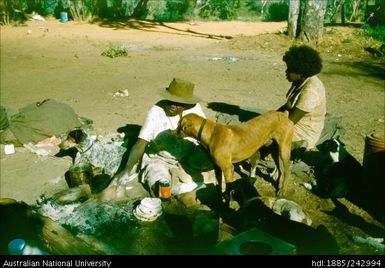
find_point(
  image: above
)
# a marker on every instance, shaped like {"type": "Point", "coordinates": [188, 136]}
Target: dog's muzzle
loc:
{"type": "Point", "coordinates": [66, 144]}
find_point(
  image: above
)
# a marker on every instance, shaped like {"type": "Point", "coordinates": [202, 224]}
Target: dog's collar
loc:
{"type": "Point", "coordinates": [85, 145]}
{"type": "Point", "coordinates": [201, 128]}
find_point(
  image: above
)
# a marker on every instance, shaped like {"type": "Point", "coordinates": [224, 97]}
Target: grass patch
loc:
{"type": "Point", "coordinates": [114, 52]}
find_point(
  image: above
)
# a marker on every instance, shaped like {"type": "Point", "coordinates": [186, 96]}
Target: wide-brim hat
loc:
{"type": "Point", "coordinates": [180, 91]}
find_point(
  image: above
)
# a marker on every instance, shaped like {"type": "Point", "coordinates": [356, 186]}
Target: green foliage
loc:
{"type": "Point", "coordinates": [376, 14]}
{"type": "Point", "coordinates": [254, 5]}
{"type": "Point", "coordinates": [173, 10]}
{"type": "Point", "coordinates": [46, 7]}
{"type": "Point", "coordinates": [152, 9]}
{"type": "Point", "coordinates": [114, 52]}
{"type": "Point", "coordinates": [83, 10]}
{"type": "Point", "coordinates": [278, 11]}
{"type": "Point", "coordinates": [11, 10]}
{"type": "Point", "coordinates": [128, 7]}
{"type": "Point", "coordinates": [158, 10]}
{"type": "Point", "coordinates": [258, 6]}
{"type": "Point", "coordinates": [376, 32]}
{"type": "Point", "coordinates": [353, 10]}
{"type": "Point", "coordinates": [223, 9]}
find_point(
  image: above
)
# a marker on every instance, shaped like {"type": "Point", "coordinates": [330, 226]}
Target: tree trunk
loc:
{"type": "Point", "coordinates": [294, 8]}
{"type": "Point", "coordinates": [313, 20]}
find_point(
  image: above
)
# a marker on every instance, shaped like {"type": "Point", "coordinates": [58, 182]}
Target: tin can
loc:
{"type": "Point", "coordinates": [78, 175]}
{"type": "Point", "coordinates": [164, 189]}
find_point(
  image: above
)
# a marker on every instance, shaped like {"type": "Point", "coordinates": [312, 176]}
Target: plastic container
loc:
{"type": "Point", "coordinates": [19, 246]}
{"type": "Point", "coordinates": [256, 242]}
{"type": "Point", "coordinates": [63, 17]}
{"type": "Point", "coordinates": [16, 246]}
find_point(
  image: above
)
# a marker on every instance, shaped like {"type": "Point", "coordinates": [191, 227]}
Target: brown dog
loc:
{"type": "Point", "coordinates": [230, 144]}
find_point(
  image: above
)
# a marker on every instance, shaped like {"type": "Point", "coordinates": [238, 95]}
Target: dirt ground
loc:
{"type": "Point", "coordinates": [238, 63]}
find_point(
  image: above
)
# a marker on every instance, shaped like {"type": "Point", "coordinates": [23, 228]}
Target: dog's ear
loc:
{"type": "Point", "coordinates": [77, 135]}
{"type": "Point", "coordinates": [179, 128]}
{"type": "Point", "coordinates": [182, 125]}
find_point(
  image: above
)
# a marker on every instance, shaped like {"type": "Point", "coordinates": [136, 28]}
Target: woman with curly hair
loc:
{"type": "Point", "coordinates": [305, 100]}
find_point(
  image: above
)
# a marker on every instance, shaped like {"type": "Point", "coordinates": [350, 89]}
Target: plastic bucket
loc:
{"type": "Point", "coordinates": [374, 169]}
{"type": "Point", "coordinates": [63, 17]}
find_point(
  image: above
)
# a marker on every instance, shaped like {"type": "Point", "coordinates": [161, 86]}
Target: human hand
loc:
{"type": "Point", "coordinates": [117, 187]}
{"type": "Point", "coordinates": [124, 176]}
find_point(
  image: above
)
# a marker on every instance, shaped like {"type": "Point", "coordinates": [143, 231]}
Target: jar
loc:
{"type": "Point", "coordinates": [164, 189]}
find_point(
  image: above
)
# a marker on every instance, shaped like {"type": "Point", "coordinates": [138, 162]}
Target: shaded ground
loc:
{"type": "Point", "coordinates": [234, 63]}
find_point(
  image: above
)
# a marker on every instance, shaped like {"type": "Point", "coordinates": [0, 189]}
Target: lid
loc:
{"type": "Point", "coordinates": [150, 202]}
{"type": "Point", "coordinates": [377, 137]}
{"type": "Point", "coordinates": [164, 183]}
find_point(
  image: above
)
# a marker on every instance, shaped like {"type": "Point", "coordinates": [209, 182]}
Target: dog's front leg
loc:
{"type": "Point", "coordinates": [220, 178]}
{"type": "Point", "coordinates": [218, 173]}
{"type": "Point", "coordinates": [228, 174]}
{"type": "Point", "coordinates": [253, 163]}
{"type": "Point", "coordinates": [227, 182]}
{"type": "Point", "coordinates": [284, 163]}
{"type": "Point", "coordinates": [223, 197]}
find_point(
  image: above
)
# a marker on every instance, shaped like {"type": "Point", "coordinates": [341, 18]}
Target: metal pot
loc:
{"type": "Point", "coordinates": [78, 175]}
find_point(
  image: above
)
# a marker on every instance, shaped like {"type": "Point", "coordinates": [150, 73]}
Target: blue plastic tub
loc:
{"type": "Point", "coordinates": [63, 17]}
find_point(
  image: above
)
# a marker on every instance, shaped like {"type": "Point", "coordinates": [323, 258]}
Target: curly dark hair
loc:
{"type": "Point", "coordinates": [303, 60]}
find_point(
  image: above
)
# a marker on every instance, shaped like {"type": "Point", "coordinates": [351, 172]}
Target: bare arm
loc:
{"type": "Point", "coordinates": [296, 115]}
{"type": "Point", "coordinates": [136, 154]}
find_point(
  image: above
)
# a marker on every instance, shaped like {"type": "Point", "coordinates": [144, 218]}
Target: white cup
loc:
{"type": "Point", "coordinates": [9, 149]}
